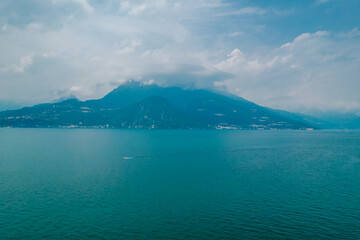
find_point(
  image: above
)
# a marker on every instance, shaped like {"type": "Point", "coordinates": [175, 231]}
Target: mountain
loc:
{"type": "Point", "coordinates": [154, 112]}
{"type": "Point", "coordinates": [64, 98]}
{"type": "Point", "coordinates": [313, 121]}
{"type": "Point", "coordinates": [9, 105]}
{"type": "Point", "coordinates": [340, 120]}
{"type": "Point", "coordinates": [325, 119]}
{"type": "Point", "coordinates": [136, 105]}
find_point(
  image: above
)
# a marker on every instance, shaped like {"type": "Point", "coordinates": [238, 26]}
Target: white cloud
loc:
{"type": "Point", "coordinates": [234, 60]}
{"type": "Point", "coordinates": [304, 37]}
{"type": "Point", "coordinates": [130, 48]}
{"type": "Point", "coordinates": [244, 11]}
{"type": "Point", "coordinates": [25, 62]}
{"type": "Point", "coordinates": [85, 5]}
{"type": "Point", "coordinates": [139, 7]}
{"type": "Point", "coordinates": [75, 88]}
{"type": "Point", "coordinates": [149, 82]}
{"type": "Point", "coordinates": [315, 70]}
{"type": "Point", "coordinates": [234, 34]}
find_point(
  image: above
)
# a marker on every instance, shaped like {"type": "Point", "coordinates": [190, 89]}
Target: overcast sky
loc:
{"type": "Point", "coordinates": [293, 55]}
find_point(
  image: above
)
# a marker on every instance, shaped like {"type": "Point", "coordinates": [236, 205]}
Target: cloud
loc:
{"type": "Point", "coordinates": [25, 62]}
{"type": "Point", "coordinates": [88, 47]}
{"type": "Point", "coordinates": [304, 37]}
{"type": "Point", "coordinates": [135, 8]}
{"type": "Point", "coordinates": [244, 11]}
{"type": "Point", "coordinates": [190, 77]}
{"type": "Point", "coordinates": [234, 60]}
{"type": "Point", "coordinates": [314, 71]}
{"type": "Point", "coordinates": [130, 48]}
{"type": "Point", "coordinates": [85, 5]}
{"type": "Point", "coordinates": [351, 34]}
{"type": "Point", "coordinates": [234, 34]}
{"type": "Point", "coordinates": [131, 9]}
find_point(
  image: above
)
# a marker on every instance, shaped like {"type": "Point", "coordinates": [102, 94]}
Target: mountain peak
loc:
{"type": "Point", "coordinates": [65, 98]}
{"type": "Point", "coordinates": [131, 83]}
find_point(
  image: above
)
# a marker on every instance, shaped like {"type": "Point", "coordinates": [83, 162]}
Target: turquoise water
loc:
{"type": "Point", "coordinates": [129, 184]}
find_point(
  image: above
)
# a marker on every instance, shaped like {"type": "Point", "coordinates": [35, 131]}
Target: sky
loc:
{"type": "Point", "coordinates": [294, 55]}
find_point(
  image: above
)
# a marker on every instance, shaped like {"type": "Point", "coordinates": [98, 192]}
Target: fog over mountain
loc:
{"type": "Point", "coordinates": [301, 56]}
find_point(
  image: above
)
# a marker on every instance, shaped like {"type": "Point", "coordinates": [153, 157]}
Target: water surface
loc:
{"type": "Point", "coordinates": [133, 184]}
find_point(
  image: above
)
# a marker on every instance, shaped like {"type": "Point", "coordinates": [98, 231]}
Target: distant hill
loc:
{"type": "Point", "coordinates": [314, 121]}
{"type": "Point", "coordinates": [9, 105]}
{"type": "Point", "coordinates": [340, 120]}
{"type": "Point", "coordinates": [136, 105]}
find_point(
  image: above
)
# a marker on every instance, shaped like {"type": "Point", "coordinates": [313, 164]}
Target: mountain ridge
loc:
{"type": "Point", "coordinates": [149, 106]}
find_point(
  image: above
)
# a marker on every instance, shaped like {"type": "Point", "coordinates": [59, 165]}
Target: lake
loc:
{"type": "Point", "coordinates": [179, 184]}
